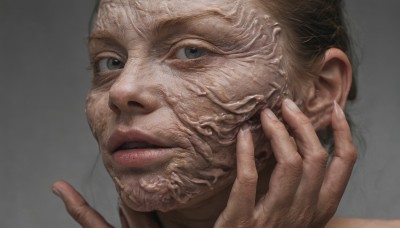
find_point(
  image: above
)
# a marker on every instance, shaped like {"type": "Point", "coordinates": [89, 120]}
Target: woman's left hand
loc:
{"type": "Point", "coordinates": [304, 191]}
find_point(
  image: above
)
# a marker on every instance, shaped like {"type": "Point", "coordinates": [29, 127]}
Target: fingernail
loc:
{"type": "Point", "coordinates": [291, 105]}
{"type": "Point", "coordinates": [245, 128]}
{"type": "Point", "coordinates": [56, 192]}
{"type": "Point", "coordinates": [338, 110]}
{"type": "Point", "coordinates": [270, 114]}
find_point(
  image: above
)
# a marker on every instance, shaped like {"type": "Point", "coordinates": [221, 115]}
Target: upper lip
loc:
{"type": "Point", "coordinates": [132, 137]}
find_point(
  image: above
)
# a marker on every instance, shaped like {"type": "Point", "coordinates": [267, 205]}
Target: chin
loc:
{"type": "Point", "coordinates": [175, 190]}
{"type": "Point", "coordinates": [150, 202]}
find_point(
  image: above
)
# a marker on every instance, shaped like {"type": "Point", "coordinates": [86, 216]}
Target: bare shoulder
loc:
{"type": "Point", "coordinates": [362, 223]}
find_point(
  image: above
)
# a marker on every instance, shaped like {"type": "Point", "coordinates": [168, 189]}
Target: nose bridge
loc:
{"type": "Point", "coordinates": [132, 91]}
{"type": "Point", "coordinates": [131, 76]}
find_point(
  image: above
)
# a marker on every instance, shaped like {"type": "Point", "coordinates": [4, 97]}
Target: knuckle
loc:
{"type": "Point", "coordinates": [79, 212]}
{"type": "Point", "coordinates": [306, 216]}
{"type": "Point", "coordinates": [248, 177]}
{"type": "Point", "coordinates": [321, 157]}
{"type": "Point", "coordinates": [245, 223]}
{"type": "Point", "coordinates": [349, 154]}
{"type": "Point", "coordinates": [293, 162]}
{"type": "Point", "coordinates": [330, 208]}
{"type": "Point", "coordinates": [352, 154]}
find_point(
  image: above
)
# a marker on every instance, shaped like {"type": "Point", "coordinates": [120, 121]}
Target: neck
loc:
{"type": "Point", "coordinates": [207, 212]}
{"type": "Point", "coordinates": [203, 214]}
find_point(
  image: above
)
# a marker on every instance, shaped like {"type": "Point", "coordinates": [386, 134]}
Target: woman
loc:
{"type": "Point", "coordinates": [206, 112]}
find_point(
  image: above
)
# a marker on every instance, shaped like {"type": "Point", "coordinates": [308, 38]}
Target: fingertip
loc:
{"type": "Point", "coordinates": [339, 121]}
{"type": "Point", "coordinates": [60, 188]}
{"type": "Point", "coordinates": [56, 188]}
{"type": "Point", "coordinates": [244, 136]}
{"type": "Point", "coordinates": [338, 111]}
{"type": "Point", "coordinates": [56, 192]}
{"type": "Point", "coordinates": [245, 129]}
{"type": "Point", "coordinates": [270, 115]}
{"type": "Point", "coordinates": [291, 106]}
{"type": "Point", "coordinates": [269, 122]}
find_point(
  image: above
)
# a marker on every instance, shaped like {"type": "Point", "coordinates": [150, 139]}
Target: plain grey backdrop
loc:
{"type": "Point", "coordinates": [44, 135]}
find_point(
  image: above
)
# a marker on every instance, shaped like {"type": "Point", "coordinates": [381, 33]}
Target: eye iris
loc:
{"type": "Point", "coordinates": [193, 53]}
{"type": "Point", "coordinates": [114, 64]}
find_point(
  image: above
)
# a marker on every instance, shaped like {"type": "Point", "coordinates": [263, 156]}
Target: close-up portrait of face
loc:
{"type": "Point", "coordinates": [208, 113]}
{"type": "Point", "coordinates": [171, 89]}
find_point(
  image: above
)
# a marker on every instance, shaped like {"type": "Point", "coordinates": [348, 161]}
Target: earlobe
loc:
{"type": "Point", "coordinates": [333, 84]}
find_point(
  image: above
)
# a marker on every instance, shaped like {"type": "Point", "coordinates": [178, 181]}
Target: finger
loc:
{"type": "Point", "coordinates": [315, 157]}
{"type": "Point", "coordinates": [287, 173]}
{"type": "Point", "coordinates": [306, 139]}
{"type": "Point", "coordinates": [78, 208]}
{"type": "Point", "coordinates": [242, 198]}
{"type": "Point", "coordinates": [341, 166]}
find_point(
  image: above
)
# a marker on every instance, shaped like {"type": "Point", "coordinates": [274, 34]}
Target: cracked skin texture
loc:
{"type": "Point", "coordinates": [195, 106]}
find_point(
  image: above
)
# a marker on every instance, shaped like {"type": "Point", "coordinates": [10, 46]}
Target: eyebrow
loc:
{"type": "Point", "coordinates": [168, 23]}
{"type": "Point", "coordinates": [192, 17]}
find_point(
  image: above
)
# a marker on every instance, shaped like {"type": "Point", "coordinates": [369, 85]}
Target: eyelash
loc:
{"type": "Point", "coordinates": [192, 43]}
{"type": "Point", "coordinates": [102, 57]}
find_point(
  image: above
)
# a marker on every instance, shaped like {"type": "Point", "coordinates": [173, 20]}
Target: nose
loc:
{"type": "Point", "coordinates": [133, 93]}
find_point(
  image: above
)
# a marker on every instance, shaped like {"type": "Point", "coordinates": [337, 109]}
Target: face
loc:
{"type": "Point", "coordinates": [173, 83]}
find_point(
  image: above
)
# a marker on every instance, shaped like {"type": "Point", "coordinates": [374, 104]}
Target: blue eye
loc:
{"type": "Point", "coordinates": [109, 64]}
{"type": "Point", "coordinates": [190, 53]}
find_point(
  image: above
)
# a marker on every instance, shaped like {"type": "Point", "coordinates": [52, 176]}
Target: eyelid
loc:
{"type": "Point", "coordinates": [95, 59]}
{"type": "Point", "coordinates": [197, 43]}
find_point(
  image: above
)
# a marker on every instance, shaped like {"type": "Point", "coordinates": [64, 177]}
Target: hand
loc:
{"type": "Point", "coordinates": [303, 191]}
{"type": "Point", "coordinates": [88, 217]}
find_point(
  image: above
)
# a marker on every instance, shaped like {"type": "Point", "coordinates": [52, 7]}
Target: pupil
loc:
{"type": "Point", "coordinates": [114, 64]}
{"type": "Point", "coordinates": [193, 52]}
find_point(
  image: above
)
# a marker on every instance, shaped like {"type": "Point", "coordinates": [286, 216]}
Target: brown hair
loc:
{"type": "Point", "coordinates": [310, 28]}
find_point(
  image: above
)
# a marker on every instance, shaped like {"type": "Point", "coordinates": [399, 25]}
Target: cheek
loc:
{"type": "Point", "coordinates": [97, 113]}
{"type": "Point", "coordinates": [217, 103]}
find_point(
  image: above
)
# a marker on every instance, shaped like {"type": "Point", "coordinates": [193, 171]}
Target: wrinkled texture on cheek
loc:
{"type": "Point", "coordinates": [221, 99]}
{"type": "Point", "coordinates": [97, 115]}
{"type": "Point", "coordinates": [186, 177]}
{"type": "Point", "coordinates": [208, 107]}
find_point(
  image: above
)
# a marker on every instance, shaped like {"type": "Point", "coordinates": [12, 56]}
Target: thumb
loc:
{"type": "Point", "coordinates": [77, 206]}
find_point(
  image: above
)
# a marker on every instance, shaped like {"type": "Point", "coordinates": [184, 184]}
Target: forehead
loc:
{"type": "Point", "coordinates": [147, 12]}
{"type": "Point", "coordinates": [171, 6]}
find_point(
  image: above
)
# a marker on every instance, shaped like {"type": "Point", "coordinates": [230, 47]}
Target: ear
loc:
{"type": "Point", "coordinates": [333, 84]}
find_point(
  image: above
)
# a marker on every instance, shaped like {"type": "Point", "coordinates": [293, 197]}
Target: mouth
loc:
{"type": "Point", "coordinates": [137, 149]}
{"type": "Point", "coordinates": [136, 146]}
{"type": "Point", "coordinates": [128, 139]}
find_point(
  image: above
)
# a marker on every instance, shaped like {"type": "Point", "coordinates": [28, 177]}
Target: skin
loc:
{"type": "Point", "coordinates": [224, 114]}
{"type": "Point", "coordinates": [196, 101]}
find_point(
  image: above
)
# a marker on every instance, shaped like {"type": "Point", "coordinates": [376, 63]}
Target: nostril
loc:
{"type": "Point", "coordinates": [113, 107]}
{"type": "Point", "coordinates": [135, 104]}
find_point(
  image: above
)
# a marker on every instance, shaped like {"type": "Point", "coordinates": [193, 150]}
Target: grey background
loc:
{"type": "Point", "coordinates": [44, 135]}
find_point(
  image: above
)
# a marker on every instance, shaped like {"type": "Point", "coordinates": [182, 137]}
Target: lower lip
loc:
{"type": "Point", "coordinates": [137, 158]}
